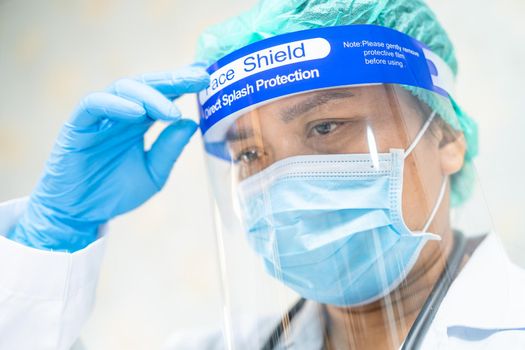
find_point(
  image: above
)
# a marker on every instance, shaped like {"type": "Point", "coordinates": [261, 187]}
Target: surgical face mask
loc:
{"type": "Point", "coordinates": [331, 226]}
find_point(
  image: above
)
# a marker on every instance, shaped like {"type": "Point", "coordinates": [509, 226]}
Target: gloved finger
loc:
{"type": "Point", "coordinates": [167, 149]}
{"type": "Point", "coordinates": [100, 105]}
{"type": "Point", "coordinates": [157, 106]}
{"type": "Point", "coordinates": [190, 79]}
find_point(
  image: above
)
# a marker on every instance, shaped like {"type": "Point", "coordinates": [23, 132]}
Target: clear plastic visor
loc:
{"type": "Point", "coordinates": [338, 198]}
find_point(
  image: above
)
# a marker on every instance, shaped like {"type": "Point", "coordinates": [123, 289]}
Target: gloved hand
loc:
{"type": "Point", "coordinates": [98, 167]}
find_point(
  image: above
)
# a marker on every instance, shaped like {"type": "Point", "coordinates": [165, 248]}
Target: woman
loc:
{"type": "Point", "coordinates": [336, 152]}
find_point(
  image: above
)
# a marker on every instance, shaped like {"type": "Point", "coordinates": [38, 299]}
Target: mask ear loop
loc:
{"type": "Point", "coordinates": [437, 205]}
{"type": "Point", "coordinates": [420, 134]}
{"type": "Point", "coordinates": [443, 182]}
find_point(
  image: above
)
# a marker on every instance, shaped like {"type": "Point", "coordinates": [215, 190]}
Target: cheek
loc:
{"type": "Point", "coordinates": [421, 184]}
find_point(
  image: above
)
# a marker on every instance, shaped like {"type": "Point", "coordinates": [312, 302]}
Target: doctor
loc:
{"type": "Point", "coordinates": [345, 191]}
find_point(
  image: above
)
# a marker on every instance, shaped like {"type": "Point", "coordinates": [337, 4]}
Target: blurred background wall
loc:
{"type": "Point", "coordinates": [160, 270]}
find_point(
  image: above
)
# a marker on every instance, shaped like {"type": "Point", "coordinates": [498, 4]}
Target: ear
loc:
{"type": "Point", "coordinates": [452, 154]}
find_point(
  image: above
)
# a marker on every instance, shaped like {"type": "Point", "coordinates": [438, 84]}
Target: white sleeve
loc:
{"type": "Point", "coordinates": [45, 297]}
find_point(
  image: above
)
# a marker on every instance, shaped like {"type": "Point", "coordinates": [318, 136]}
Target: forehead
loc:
{"type": "Point", "coordinates": [361, 94]}
{"type": "Point", "coordinates": [358, 98]}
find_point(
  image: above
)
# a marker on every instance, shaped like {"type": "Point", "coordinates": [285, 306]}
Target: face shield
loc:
{"type": "Point", "coordinates": [333, 154]}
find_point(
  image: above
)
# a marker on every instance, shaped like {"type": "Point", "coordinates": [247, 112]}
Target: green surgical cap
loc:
{"type": "Point", "coordinates": [412, 17]}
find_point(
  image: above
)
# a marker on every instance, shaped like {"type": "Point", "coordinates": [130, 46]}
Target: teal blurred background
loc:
{"type": "Point", "coordinates": [160, 271]}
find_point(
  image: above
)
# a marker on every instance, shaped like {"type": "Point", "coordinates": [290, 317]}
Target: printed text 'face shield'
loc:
{"type": "Point", "coordinates": [331, 170]}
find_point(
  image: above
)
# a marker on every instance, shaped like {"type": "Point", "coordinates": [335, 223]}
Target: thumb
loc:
{"type": "Point", "coordinates": [167, 149]}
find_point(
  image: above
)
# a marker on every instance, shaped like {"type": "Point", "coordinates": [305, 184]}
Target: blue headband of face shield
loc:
{"type": "Point", "coordinates": [328, 249]}
{"type": "Point", "coordinates": [310, 60]}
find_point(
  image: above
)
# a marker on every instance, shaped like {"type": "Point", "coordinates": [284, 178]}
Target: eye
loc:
{"type": "Point", "coordinates": [325, 128]}
{"type": "Point", "coordinates": [248, 156]}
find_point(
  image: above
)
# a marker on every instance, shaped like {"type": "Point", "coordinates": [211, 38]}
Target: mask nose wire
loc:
{"type": "Point", "coordinates": [420, 134]}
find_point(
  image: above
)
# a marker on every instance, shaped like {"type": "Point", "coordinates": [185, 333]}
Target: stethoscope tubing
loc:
{"type": "Point", "coordinates": [430, 308]}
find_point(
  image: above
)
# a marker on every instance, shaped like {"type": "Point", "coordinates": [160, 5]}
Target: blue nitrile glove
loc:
{"type": "Point", "coordinates": [98, 167]}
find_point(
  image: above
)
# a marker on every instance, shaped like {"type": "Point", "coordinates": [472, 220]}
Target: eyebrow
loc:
{"type": "Point", "coordinates": [319, 99]}
{"type": "Point", "coordinates": [292, 112]}
{"type": "Point", "coordinates": [235, 134]}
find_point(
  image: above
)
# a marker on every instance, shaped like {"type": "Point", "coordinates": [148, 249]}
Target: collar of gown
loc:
{"type": "Point", "coordinates": [488, 293]}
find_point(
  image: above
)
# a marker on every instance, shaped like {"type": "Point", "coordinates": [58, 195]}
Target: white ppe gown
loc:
{"type": "Point", "coordinates": [46, 297]}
